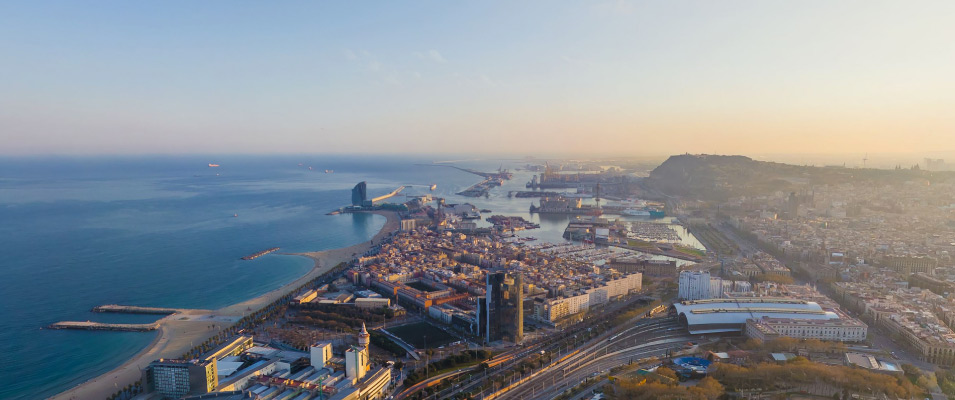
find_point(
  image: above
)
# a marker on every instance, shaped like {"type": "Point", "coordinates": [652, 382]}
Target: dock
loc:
{"type": "Point", "coordinates": [115, 308]}
{"type": "Point", "coordinates": [100, 326]}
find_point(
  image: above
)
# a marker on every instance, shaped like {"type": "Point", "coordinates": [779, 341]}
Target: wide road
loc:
{"type": "Point", "coordinates": [647, 338]}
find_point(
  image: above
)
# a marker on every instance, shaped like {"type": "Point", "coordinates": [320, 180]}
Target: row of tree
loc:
{"type": "Point", "coordinates": [770, 376]}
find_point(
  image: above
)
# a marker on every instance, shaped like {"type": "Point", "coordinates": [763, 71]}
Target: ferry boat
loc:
{"type": "Point", "coordinates": [644, 212]}
{"type": "Point", "coordinates": [633, 212]}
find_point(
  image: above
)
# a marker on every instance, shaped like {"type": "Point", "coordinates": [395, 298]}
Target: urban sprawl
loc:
{"type": "Point", "coordinates": [835, 270]}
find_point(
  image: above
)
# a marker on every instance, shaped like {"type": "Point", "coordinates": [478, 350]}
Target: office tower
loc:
{"type": "Point", "coordinates": [504, 307]}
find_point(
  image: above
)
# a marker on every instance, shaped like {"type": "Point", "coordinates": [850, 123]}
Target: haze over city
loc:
{"type": "Point", "coordinates": [432, 200]}
{"type": "Point", "coordinates": [736, 77]}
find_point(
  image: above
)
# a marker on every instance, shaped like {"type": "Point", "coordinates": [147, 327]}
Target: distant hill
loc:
{"type": "Point", "coordinates": [716, 177]}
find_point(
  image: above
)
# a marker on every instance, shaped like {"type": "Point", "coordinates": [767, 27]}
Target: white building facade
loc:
{"type": "Point", "coordinates": [694, 285]}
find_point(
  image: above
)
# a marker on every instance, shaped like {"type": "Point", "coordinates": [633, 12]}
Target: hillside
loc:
{"type": "Point", "coordinates": [716, 177]}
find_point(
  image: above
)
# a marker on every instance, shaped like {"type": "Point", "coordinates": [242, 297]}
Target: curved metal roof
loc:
{"type": "Point", "coordinates": [726, 315]}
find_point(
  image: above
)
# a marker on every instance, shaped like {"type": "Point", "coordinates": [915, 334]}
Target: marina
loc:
{"type": "Point", "coordinates": [652, 232]}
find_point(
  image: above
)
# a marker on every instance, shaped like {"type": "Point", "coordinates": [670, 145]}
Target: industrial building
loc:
{"type": "Point", "coordinates": [730, 315]}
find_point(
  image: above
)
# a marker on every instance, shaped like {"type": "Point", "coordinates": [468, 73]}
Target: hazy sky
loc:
{"type": "Point", "coordinates": [525, 77]}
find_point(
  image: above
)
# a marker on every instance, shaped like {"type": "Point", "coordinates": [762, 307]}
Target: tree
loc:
{"type": "Point", "coordinates": [710, 388]}
{"type": "Point", "coordinates": [668, 375]}
{"type": "Point", "coordinates": [912, 372]}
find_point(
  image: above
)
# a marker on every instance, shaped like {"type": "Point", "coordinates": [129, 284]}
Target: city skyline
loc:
{"type": "Point", "coordinates": [527, 78]}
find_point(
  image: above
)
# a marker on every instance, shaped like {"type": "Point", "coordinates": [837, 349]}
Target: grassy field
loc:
{"type": "Point", "coordinates": [416, 334]}
{"type": "Point", "coordinates": [640, 244]}
{"type": "Point", "coordinates": [690, 251]}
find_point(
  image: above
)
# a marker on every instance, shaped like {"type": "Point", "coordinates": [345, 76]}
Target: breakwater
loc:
{"type": "Point", "coordinates": [260, 254]}
{"type": "Point", "coordinates": [115, 308]}
{"type": "Point", "coordinates": [100, 326]}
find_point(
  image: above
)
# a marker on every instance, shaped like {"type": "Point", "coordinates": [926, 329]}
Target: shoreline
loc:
{"type": "Point", "coordinates": [179, 332]}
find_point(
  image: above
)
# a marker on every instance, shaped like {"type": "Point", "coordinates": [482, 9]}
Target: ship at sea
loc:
{"type": "Point", "coordinates": [328, 171]}
{"type": "Point", "coordinates": [433, 186]}
{"type": "Point", "coordinates": [213, 165]}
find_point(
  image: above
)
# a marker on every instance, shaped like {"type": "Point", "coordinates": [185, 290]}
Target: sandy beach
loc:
{"type": "Point", "coordinates": [182, 331]}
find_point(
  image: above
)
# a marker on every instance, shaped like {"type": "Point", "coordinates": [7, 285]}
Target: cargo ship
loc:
{"type": "Point", "coordinates": [260, 254]}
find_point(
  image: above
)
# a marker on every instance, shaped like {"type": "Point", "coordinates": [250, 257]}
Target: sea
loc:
{"type": "Point", "coordinates": [169, 231]}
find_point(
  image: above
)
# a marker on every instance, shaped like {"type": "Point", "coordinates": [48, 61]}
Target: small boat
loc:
{"type": "Point", "coordinates": [329, 171]}
{"type": "Point", "coordinates": [235, 215]}
{"type": "Point", "coordinates": [433, 186]}
{"type": "Point", "coordinates": [213, 165]}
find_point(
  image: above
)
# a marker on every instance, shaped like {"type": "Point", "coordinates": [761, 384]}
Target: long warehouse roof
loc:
{"type": "Point", "coordinates": [726, 315]}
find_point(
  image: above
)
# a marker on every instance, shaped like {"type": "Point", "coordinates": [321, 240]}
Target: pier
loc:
{"type": "Point", "coordinates": [480, 189]}
{"type": "Point", "coordinates": [499, 174]}
{"type": "Point", "coordinates": [100, 326]}
{"type": "Point", "coordinates": [115, 308]}
{"type": "Point", "coordinates": [491, 179]}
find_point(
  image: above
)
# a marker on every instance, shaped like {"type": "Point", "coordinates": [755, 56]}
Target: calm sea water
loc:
{"type": "Point", "coordinates": [169, 231]}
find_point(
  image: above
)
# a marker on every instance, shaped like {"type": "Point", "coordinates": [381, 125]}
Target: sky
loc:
{"type": "Point", "coordinates": [509, 77]}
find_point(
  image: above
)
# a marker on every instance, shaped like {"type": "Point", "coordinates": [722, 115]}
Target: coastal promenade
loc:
{"type": "Point", "coordinates": [180, 332]}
